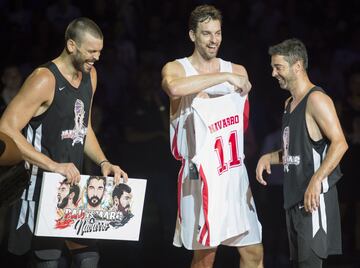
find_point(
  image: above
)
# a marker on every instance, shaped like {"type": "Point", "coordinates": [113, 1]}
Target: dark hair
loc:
{"type": "Point", "coordinates": [73, 189]}
{"type": "Point", "coordinates": [79, 26]}
{"type": "Point", "coordinates": [292, 49]}
{"type": "Point", "coordinates": [96, 178]}
{"type": "Point", "coordinates": [120, 189]}
{"type": "Point", "coordinates": [203, 13]}
{"type": "Point", "coordinates": [76, 190]}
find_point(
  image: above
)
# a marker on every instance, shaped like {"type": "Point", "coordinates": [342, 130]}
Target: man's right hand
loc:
{"type": "Point", "coordinates": [263, 164]}
{"type": "Point", "coordinates": [70, 171]}
{"type": "Point", "coordinates": [240, 82]}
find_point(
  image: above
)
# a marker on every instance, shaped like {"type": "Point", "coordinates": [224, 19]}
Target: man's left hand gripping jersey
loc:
{"type": "Point", "coordinates": [219, 135]}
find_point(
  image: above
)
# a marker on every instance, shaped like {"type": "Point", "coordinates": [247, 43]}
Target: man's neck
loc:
{"type": "Point", "coordinates": [300, 88]}
{"type": "Point", "coordinates": [67, 68]}
{"type": "Point", "coordinates": [204, 65]}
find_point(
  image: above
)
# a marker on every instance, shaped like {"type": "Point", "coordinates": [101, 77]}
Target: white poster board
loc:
{"type": "Point", "coordinates": [94, 208]}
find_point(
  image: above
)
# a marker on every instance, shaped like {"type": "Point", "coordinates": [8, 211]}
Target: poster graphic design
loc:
{"type": "Point", "coordinates": [94, 208]}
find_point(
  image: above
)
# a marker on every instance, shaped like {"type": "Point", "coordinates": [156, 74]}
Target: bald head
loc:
{"type": "Point", "coordinates": [78, 27]}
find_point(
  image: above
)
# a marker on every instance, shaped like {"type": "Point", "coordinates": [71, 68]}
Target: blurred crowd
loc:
{"type": "Point", "coordinates": [130, 113]}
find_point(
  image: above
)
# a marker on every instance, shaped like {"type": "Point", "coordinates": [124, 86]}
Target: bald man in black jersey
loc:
{"type": "Point", "coordinates": [49, 120]}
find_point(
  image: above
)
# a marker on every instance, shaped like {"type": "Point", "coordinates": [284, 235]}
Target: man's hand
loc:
{"type": "Point", "coordinates": [202, 95]}
{"type": "Point", "coordinates": [69, 170]}
{"type": "Point", "coordinates": [312, 195]}
{"type": "Point", "coordinates": [109, 169]}
{"type": "Point", "coordinates": [241, 83]}
{"type": "Point", "coordinates": [263, 164]}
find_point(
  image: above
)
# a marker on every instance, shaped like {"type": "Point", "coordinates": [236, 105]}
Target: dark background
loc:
{"type": "Point", "coordinates": [130, 110]}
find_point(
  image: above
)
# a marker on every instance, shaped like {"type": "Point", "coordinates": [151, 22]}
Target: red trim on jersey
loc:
{"type": "Point", "coordinates": [203, 232]}
{"type": "Point", "coordinates": [181, 171]}
{"type": "Point", "coordinates": [205, 197]}
{"type": "Point", "coordinates": [174, 147]}
{"type": "Point", "coordinates": [177, 156]}
{"type": "Point", "coordinates": [246, 114]}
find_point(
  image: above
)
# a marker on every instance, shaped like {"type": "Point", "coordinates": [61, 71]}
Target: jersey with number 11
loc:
{"type": "Point", "coordinates": [219, 157]}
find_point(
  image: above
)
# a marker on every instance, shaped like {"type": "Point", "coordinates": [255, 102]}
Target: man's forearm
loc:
{"type": "Point", "coordinates": [29, 153]}
{"type": "Point", "coordinates": [193, 84]}
{"type": "Point", "coordinates": [333, 157]}
{"type": "Point", "coordinates": [276, 157]}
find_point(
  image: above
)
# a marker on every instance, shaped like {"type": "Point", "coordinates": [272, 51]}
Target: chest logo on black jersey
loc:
{"type": "Point", "coordinates": [78, 133]}
{"type": "Point", "coordinates": [288, 159]}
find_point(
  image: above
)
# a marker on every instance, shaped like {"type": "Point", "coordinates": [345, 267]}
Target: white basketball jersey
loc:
{"type": "Point", "coordinates": [181, 125]}
{"type": "Point", "coordinates": [220, 160]}
{"type": "Point", "coordinates": [194, 229]}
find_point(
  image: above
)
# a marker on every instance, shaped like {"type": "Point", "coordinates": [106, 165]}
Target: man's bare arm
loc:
{"type": "Point", "coordinates": [30, 101]}
{"type": "Point", "coordinates": [9, 152]}
{"type": "Point", "coordinates": [241, 71]}
{"type": "Point", "coordinates": [177, 85]}
{"type": "Point", "coordinates": [265, 162]}
{"type": "Point", "coordinates": [92, 147]}
{"type": "Point", "coordinates": [33, 99]}
{"type": "Point", "coordinates": [323, 120]}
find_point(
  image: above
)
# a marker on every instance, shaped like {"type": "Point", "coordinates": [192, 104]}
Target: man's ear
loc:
{"type": "Point", "coordinates": [70, 46]}
{"type": "Point", "coordinates": [192, 35]}
{"type": "Point", "coordinates": [298, 66]}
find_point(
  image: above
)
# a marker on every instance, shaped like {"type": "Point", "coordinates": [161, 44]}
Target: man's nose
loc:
{"type": "Point", "coordinates": [274, 72]}
{"type": "Point", "coordinates": [97, 56]}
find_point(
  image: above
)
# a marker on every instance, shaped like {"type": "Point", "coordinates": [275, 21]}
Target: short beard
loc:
{"type": "Point", "coordinates": [78, 63]}
{"type": "Point", "coordinates": [92, 204]}
{"type": "Point", "coordinates": [63, 203]}
{"type": "Point", "coordinates": [124, 210]}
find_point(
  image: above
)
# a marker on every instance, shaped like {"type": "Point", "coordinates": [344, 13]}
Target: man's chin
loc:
{"type": "Point", "coordinates": [86, 69]}
{"type": "Point", "coordinates": [282, 85]}
{"type": "Point", "coordinates": [211, 56]}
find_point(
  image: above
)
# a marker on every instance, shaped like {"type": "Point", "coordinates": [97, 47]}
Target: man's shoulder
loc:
{"type": "Point", "coordinates": [176, 61]}
{"type": "Point", "coordinates": [39, 84]}
{"type": "Point", "coordinates": [319, 102]}
{"type": "Point", "coordinates": [174, 65]}
{"type": "Point", "coordinates": [317, 94]}
{"type": "Point", "coordinates": [42, 73]}
{"type": "Point", "coordinates": [238, 68]}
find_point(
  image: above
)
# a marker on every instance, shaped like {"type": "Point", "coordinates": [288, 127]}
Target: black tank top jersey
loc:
{"type": "Point", "coordinates": [60, 131]}
{"type": "Point", "coordinates": [301, 155]}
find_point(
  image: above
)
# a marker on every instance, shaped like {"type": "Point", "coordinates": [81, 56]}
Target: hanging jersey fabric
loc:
{"type": "Point", "coordinates": [183, 143]}
{"type": "Point", "coordinates": [219, 157]}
